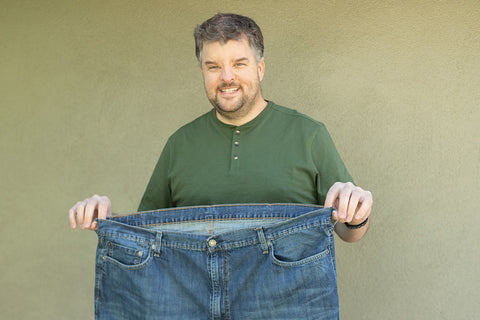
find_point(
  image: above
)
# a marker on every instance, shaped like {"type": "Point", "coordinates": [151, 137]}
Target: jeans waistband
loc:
{"type": "Point", "coordinates": [223, 226]}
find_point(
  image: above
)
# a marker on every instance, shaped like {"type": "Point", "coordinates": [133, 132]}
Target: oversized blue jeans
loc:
{"type": "Point", "coordinates": [252, 261]}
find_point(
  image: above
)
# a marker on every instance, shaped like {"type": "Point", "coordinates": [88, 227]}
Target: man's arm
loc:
{"type": "Point", "coordinates": [353, 206]}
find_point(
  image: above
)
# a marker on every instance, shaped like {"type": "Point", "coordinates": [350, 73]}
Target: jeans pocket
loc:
{"type": "Point", "coordinates": [129, 256]}
{"type": "Point", "coordinates": [301, 247]}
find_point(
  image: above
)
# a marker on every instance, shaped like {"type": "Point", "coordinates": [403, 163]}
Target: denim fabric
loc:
{"type": "Point", "coordinates": [253, 261]}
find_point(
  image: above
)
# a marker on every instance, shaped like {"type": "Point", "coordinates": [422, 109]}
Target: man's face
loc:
{"type": "Point", "coordinates": [232, 77]}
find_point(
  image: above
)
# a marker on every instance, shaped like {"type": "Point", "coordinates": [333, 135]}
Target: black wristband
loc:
{"type": "Point", "coordinates": [356, 226]}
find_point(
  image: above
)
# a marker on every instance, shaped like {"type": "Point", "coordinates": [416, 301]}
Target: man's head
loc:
{"type": "Point", "coordinates": [230, 52]}
{"type": "Point", "coordinates": [226, 26]}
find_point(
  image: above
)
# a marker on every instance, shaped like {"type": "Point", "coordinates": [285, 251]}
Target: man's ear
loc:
{"type": "Point", "coordinates": [261, 68]}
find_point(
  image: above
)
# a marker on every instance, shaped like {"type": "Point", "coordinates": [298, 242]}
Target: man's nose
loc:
{"type": "Point", "coordinates": [227, 75]}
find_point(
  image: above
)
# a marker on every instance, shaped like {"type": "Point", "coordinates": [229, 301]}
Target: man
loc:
{"type": "Point", "coordinates": [247, 149]}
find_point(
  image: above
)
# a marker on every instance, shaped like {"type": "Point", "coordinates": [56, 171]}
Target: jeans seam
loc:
{"type": "Point", "coordinates": [112, 235]}
{"type": "Point", "coordinates": [293, 230]}
{"type": "Point", "coordinates": [203, 248]}
{"type": "Point", "coordinates": [97, 285]}
{"type": "Point", "coordinates": [225, 205]}
{"type": "Point", "coordinates": [225, 275]}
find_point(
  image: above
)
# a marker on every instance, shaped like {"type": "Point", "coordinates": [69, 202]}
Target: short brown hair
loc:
{"type": "Point", "coordinates": [228, 26]}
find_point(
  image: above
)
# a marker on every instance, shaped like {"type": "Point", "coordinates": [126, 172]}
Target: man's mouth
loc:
{"type": "Point", "coordinates": [229, 90]}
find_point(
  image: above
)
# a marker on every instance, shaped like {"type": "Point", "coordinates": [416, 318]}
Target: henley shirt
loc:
{"type": "Point", "coordinates": [281, 156]}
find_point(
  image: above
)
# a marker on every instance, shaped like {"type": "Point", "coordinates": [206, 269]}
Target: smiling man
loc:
{"type": "Point", "coordinates": [248, 150]}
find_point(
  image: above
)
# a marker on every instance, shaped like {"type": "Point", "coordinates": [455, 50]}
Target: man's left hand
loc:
{"type": "Point", "coordinates": [353, 204]}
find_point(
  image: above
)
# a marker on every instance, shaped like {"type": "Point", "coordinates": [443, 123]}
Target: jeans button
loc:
{"type": "Point", "coordinates": [212, 243]}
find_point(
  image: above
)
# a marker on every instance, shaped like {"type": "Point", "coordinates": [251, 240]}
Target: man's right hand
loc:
{"type": "Point", "coordinates": [88, 210]}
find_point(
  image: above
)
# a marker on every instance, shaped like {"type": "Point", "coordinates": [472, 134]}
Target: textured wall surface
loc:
{"type": "Point", "coordinates": [90, 90]}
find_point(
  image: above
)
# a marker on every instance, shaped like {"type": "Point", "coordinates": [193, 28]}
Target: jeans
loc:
{"type": "Point", "coordinates": [249, 261]}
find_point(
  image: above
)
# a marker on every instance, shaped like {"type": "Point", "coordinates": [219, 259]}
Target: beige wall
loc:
{"type": "Point", "coordinates": [90, 90]}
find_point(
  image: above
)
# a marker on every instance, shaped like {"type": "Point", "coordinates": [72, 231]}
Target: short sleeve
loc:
{"type": "Point", "coordinates": [329, 164]}
{"type": "Point", "coordinates": [158, 194]}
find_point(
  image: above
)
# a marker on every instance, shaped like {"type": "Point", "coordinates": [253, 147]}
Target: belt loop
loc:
{"type": "Point", "coordinates": [263, 241]}
{"type": "Point", "coordinates": [157, 245]}
{"type": "Point", "coordinates": [210, 221]}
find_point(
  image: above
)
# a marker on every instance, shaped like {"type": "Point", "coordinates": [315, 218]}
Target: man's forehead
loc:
{"type": "Point", "coordinates": [219, 47]}
{"type": "Point", "coordinates": [223, 42]}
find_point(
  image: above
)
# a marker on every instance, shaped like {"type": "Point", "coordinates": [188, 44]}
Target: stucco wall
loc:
{"type": "Point", "coordinates": [90, 90]}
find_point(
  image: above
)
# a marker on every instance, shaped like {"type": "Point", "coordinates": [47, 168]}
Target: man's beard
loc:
{"type": "Point", "coordinates": [240, 109]}
{"type": "Point", "coordinates": [225, 111]}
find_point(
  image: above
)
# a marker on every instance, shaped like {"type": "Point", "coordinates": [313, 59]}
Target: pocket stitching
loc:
{"type": "Point", "coordinates": [303, 261]}
{"type": "Point", "coordinates": [107, 256]}
{"type": "Point", "coordinates": [129, 267]}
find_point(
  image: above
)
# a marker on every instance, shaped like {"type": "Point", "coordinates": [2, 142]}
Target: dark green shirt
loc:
{"type": "Point", "coordinates": [281, 156]}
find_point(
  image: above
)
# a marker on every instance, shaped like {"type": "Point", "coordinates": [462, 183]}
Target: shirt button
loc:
{"type": "Point", "coordinates": [235, 157]}
{"type": "Point", "coordinates": [212, 243]}
{"type": "Point", "coordinates": [237, 143]}
{"type": "Point", "coordinates": [237, 132]}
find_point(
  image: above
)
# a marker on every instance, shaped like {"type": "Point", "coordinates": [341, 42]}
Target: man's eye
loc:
{"type": "Point", "coordinates": [240, 64]}
{"type": "Point", "coordinates": [212, 67]}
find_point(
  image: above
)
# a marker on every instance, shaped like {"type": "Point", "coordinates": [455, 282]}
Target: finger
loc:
{"type": "Point", "coordinates": [344, 199]}
{"type": "Point", "coordinates": [332, 195]}
{"type": "Point", "coordinates": [104, 208]}
{"type": "Point", "coordinates": [334, 214]}
{"type": "Point", "coordinates": [343, 205]}
{"type": "Point", "coordinates": [366, 206]}
{"type": "Point", "coordinates": [335, 211]}
{"type": "Point", "coordinates": [353, 204]}
{"type": "Point", "coordinates": [80, 211]}
{"type": "Point", "coordinates": [72, 215]}
{"type": "Point", "coordinates": [90, 212]}
{"type": "Point", "coordinates": [363, 213]}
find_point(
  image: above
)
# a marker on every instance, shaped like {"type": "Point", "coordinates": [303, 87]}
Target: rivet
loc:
{"type": "Point", "coordinates": [212, 243]}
